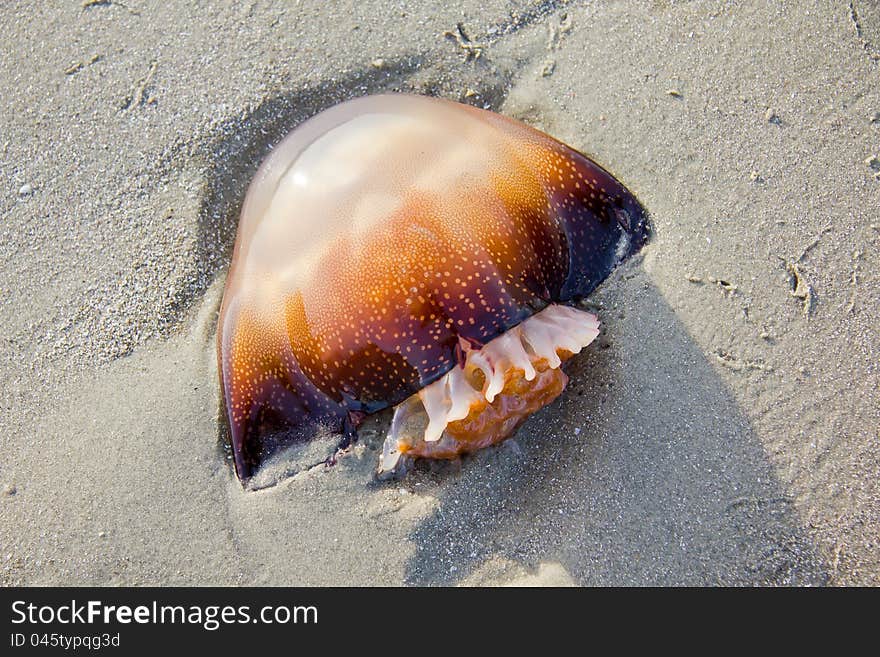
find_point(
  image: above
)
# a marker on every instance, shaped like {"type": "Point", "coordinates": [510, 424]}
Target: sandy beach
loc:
{"type": "Point", "coordinates": [723, 430]}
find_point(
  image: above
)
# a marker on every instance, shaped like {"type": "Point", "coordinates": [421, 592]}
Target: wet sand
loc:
{"type": "Point", "coordinates": [724, 429]}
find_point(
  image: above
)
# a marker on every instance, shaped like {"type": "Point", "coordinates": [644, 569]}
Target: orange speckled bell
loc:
{"type": "Point", "coordinates": [388, 241]}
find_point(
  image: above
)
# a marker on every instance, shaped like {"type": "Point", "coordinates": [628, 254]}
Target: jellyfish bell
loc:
{"type": "Point", "coordinates": [407, 251]}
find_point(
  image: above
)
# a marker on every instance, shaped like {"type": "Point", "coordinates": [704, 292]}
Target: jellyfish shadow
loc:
{"type": "Point", "coordinates": [645, 472]}
{"type": "Point", "coordinates": [665, 483]}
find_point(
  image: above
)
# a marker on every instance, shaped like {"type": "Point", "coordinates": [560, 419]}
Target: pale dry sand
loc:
{"type": "Point", "coordinates": [723, 430]}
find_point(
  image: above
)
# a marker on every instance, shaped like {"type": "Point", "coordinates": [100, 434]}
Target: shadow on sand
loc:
{"type": "Point", "coordinates": [665, 482]}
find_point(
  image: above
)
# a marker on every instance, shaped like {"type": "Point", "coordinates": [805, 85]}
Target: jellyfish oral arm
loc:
{"type": "Point", "coordinates": [483, 401]}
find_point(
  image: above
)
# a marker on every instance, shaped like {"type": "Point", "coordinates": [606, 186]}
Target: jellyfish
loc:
{"type": "Point", "coordinates": [417, 253]}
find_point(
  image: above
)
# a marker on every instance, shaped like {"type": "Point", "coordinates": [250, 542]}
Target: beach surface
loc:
{"type": "Point", "coordinates": [724, 428]}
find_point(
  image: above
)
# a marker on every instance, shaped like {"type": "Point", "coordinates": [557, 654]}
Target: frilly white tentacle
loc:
{"type": "Point", "coordinates": [542, 336]}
